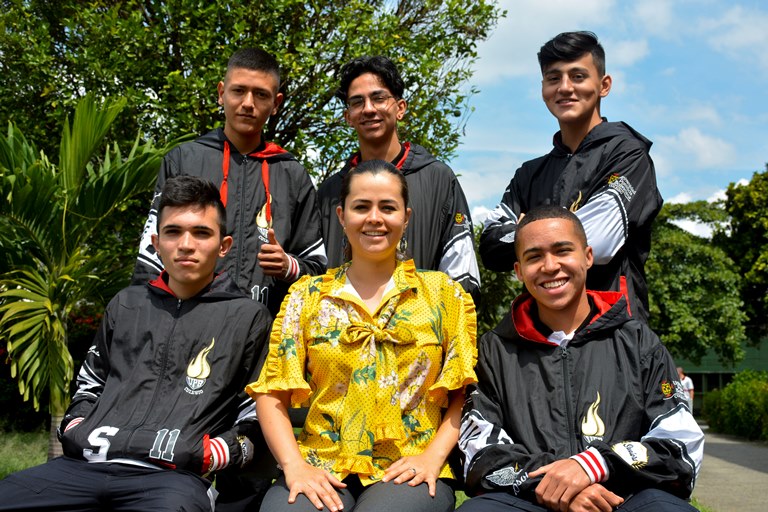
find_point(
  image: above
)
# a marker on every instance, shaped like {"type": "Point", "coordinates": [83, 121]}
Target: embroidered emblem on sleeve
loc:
{"type": "Point", "coordinates": [508, 477]}
{"type": "Point", "coordinates": [633, 453]}
{"type": "Point", "coordinates": [622, 185]}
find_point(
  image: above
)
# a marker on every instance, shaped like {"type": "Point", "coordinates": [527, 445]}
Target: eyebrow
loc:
{"type": "Point", "coordinates": [556, 245]}
{"type": "Point", "coordinates": [373, 93]}
{"type": "Point", "coordinates": [195, 227]}
{"type": "Point", "coordinates": [559, 70]}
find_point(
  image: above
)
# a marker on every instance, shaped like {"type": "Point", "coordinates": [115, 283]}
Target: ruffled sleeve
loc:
{"type": "Point", "coordinates": [285, 367]}
{"type": "Point", "coordinates": [459, 345]}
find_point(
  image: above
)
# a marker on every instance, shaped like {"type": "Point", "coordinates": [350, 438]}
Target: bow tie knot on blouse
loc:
{"type": "Point", "coordinates": [371, 411]}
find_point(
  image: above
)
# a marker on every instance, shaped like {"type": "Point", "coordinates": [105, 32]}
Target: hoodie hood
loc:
{"type": "Point", "coordinates": [518, 324]}
{"type": "Point", "coordinates": [600, 134]}
{"type": "Point", "coordinates": [221, 288]}
{"type": "Point", "coordinates": [412, 159]}
{"type": "Point", "coordinates": [266, 150]}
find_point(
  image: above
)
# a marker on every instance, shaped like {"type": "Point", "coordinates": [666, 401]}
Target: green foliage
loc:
{"type": "Point", "coordinates": [165, 57]}
{"type": "Point", "coordinates": [693, 287]}
{"type": "Point", "coordinates": [49, 263]}
{"type": "Point", "coordinates": [741, 408]}
{"type": "Point", "coordinates": [745, 238]}
{"type": "Point", "coordinates": [499, 289]}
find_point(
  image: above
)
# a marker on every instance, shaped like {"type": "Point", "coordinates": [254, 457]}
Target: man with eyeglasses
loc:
{"type": "Point", "coordinates": [439, 235]}
{"type": "Point", "coordinates": [599, 170]}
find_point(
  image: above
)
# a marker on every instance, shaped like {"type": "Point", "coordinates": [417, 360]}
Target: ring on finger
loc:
{"type": "Point", "coordinates": [414, 471]}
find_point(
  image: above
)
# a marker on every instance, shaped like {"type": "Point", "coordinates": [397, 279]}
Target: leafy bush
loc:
{"type": "Point", "coordinates": [741, 408]}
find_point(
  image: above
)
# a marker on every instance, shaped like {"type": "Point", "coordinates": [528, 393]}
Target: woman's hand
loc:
{"type": "Point", "coordinates": [319, 486]}
{"type": "Point", "coordinates": [415, 470]}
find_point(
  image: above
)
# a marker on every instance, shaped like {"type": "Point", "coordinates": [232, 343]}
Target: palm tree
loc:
{"type": "Point", "coordinates": [48, 216]}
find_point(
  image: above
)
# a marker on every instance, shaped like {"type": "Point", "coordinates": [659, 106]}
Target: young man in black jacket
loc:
{"type": "Point", "coordinates": [578, 406]}
{"type": "Point", "coordinates": [160, 405]}
{"type": "Point", "coordinates": [271, 203]}
{"type": "Point", "coordinates": [439, 235]}
{"type": "Point", "coordinates": [600, 170]}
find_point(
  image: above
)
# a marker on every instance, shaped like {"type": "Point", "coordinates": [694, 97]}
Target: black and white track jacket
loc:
{"type": "Point", "coordinates": [610, 398]}
{"type": "Point", "coordinates": [245, 182]}
{"type": "Point", "coordinates": [439, 232]}
{"type": "Point", "coordinates": [609, 182]}
{"type": "Point", "coordinates": [163, 383]}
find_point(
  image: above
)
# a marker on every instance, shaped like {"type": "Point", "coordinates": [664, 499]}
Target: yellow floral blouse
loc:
{"type": "Point", "coordinates": [375, 385]}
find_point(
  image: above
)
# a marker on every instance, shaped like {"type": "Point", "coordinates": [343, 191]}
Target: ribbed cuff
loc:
{"type": "Point", "coordinates": [72, 424]}
{"type": "Point", "coordinates": [219, 454]}
{"type": "Point", "coordinates": [593, 464]}
{"type": "Point", "coordinates": [293, 270]}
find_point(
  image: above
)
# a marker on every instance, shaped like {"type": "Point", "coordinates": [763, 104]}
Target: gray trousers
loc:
{"type": "Point", "coordinates": [374, 498]}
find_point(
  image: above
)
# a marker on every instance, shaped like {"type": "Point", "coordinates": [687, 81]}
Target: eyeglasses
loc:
{"type": "Point", "coordinates": [379, 101]}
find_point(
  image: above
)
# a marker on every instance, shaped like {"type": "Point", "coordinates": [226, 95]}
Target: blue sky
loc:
{"type": "Point", "coordinates": [692, 76]}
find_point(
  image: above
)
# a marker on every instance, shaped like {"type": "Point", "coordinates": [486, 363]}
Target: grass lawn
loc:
{"type": "Point", "coordinates": [20, 450]}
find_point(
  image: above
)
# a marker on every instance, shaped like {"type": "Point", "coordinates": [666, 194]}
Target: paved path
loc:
{"type": "Point", "coordinates": [734, 474]}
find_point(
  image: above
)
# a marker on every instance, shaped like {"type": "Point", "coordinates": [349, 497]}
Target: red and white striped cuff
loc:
{"type": "Point", "coordinates": [219, 454]}
{"type": "Point", "coordinates": [72, 424]}
{"type": "Point", "coordinates": [293, 271]}
{"type": "Point", "coordinates": [593, 464]}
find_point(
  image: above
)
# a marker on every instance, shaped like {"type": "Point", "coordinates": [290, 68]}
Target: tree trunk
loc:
{"type": "Point", "coordinates": [54, 446]}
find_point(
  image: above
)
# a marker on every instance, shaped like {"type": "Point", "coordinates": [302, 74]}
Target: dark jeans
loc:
{"type": "Point", "coordinates": [65, 484]}
{"type": "Point", "coordinates": [648, 500]}
{"type": "Point", "coordinates": [374, 498]}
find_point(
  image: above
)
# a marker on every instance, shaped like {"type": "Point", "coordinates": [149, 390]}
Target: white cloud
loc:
{"type": "Point", "coordinates": [691, 144]}
{"type": "Point", "coordinates": [718, 196]}
{"type": "Point", "coordinates": [681, 198]}
{"type": "Point", "coordinates": [655, 16]}
{"type": "Point", "coordinates": [626, 53]}
{"type": "Point", "coordinates": [695, 228]}
{"type": "Point", "coordinates": [479, 214]}
{"type": "Point", "coordinates": [487, 186]}
{"type": "Point", "coordinates": [511, 50]}
{"type": "Point", "coordinates": [740, 33]}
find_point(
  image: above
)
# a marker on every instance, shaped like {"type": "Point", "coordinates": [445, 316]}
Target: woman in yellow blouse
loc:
{"type": "Point", "coordinates": [381, 353]}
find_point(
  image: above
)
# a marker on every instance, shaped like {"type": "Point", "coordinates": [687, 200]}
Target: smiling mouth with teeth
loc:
{"type": "Point", "coordinates": [554, 284]}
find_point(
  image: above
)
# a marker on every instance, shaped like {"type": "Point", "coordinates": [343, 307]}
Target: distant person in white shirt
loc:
{"type": "Point", "coordinates": [687, 386]}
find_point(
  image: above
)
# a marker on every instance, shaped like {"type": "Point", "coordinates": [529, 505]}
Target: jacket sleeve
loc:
{"type": "Point", "coordinates": [148, 265]}
{"type": "Point", "coordinates": [497, 248]}
{"type": "Point", "coordinates": [92, 376]}
{"type": "Point", "coordinates": [628, 200]}
{"type": "Point", "coordinates": [492, 459]}
{"type": "Point", "coordinates": [306, 248]}
{"type": "Point", "coordinates": [669, 455]}
{"type": "Point", "coordinates": [458, 259]}
{"type": "Point", "coordinates": [240, 444]}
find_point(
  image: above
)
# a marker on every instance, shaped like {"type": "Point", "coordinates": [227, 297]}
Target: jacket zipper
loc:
{"type": "Point", "coordinates": [241, 215]}
{"type": "Point", "coordinates": [568, 408]}
{"type": "Point", "coordinates": [163, 366]}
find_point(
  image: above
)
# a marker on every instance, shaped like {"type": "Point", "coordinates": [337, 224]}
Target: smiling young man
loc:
{"type": "Point", "coordinates": [439, 236]}
{"type": "Point", "coordinates": [578, 405]}
{"type": "Point", "coordinates": [270, 201]}
{"type": "Point", "coordinates": [599, 170]}
{"type": "Point", "coordinates": [160, 404]}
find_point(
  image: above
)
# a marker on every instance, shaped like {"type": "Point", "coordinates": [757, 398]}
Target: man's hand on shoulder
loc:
{"type": "Point", "coordinates": [563, 481]}
{"type": "Point", "coordinates": [595, 498]}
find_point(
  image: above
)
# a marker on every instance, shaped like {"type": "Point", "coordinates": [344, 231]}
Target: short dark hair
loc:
{"type": "Point", "coordinates": [184, 191]}
{"type": "Point", "coordinates": [254, 59]}
{"type": "Point", "coordinates": [571, 46]}
{"type": "Point", "coordinates": [551, 212]}
{"type": "Point", "coordinates": [378, 65]}
{"type": "Point", "coordinates": [373, 167]}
